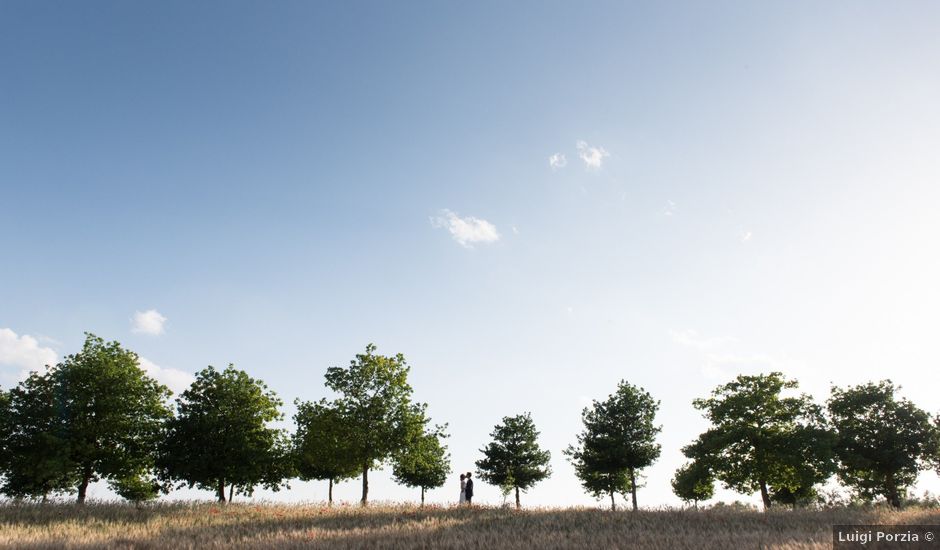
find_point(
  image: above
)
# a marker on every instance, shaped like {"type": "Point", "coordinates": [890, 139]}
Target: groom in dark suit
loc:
{"type": "Point", "coordinates": [468, 490]}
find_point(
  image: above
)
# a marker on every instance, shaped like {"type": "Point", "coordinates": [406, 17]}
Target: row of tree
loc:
{"type": "Point", "coordinates": [98, 416]}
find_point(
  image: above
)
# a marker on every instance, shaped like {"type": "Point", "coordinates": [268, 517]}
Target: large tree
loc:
{"type": "Point", "coordinates": [374, 402]}
{"type": "Point", "coordinates": [761, 440]}
{"type": "Point", "coordinates": [424, 462]}
{"type": "Point", "coordinates": [618, 440]}
{"type": "Point", "coordinates": [113, 412]}
{"type": "Point", "coordinates": [96, 415]}
{"type": "Point", "coordinates": [320, 445]}
{"type": "Point", "coordinates": [883, 442]}
{"type": "Point", "coordinates": [221, 435]}
{"type": "Point", "coordinates": [693, 482]}
{"type": "Point", "coordinates": [514, 460]}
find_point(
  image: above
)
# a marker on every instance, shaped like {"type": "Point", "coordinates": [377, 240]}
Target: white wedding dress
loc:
{"type": "Point", "coordinates": [463, 492]}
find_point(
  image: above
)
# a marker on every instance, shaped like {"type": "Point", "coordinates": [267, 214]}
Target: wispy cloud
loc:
{"type": "Point", "coordinates": [721, 358]}
{"type": "Point", "coordinates": [148, 322]}
{"type": "Point", "coordinates": [593, 157]}
{"type": "Point", "coordinates": [722, 366]}
{"type": "Point", "coordinates": [746, 236]}
{"type": "Point", "coordinates": [558, 160]}
{"type": "Point", "coordinates": [669, 209]}
{"type": "Point", "coordinates": [178, 381]}
{"type": "Point", "coordinates": [24, 352]}
{"type": "Point", "coordinates": [691, 338]}
{"type": "Point", "coordinates": [467, 230]}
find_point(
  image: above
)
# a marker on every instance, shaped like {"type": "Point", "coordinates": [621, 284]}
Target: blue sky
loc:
{"type": "Point", "coordinates": [744, 187]}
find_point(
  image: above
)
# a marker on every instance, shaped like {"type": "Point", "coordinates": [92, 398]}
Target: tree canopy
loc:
{"type": "Point", "coordinates": [424, 462]}
{"type": "Point", "coordinates": [761, 440]}
{"type": "Point", "coordinates": [693, 483]}
{"type": "Point", "coordinates": [374, 403]}
{"type": "Point", "coordinates": [514, 460]}
{"type": "Point", "coordinates": [320, 444]}
{"type": "Point", "coordinates": [882, 441]}
{"type": "Point", "coordinates": [96, 415]}
{"type": "Point", "coordinates": [221, 435]}
{"type": "Point", "coordinates": [618, 440]}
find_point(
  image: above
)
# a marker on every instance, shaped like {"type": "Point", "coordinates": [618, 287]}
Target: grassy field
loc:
{"type": "Point", "coordinates": [201, 525]}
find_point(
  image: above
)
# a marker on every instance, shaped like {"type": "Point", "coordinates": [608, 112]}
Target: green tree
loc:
{"type": "Point", "coordinates": [139, 487]}
{"type": "Point", "coordinates": [514, 460]}
{"type": "Point", "coordinates": [37, 456]}
{"type": "Point", "coordinates": [374, 402]}
{"type": "Point", "coordinates": [6, 429]}
{"type": "Point", "coordinates": [112, 411]}
{"type": "Point", "coordinates": [693, 482]}
{"type": "Point", "coordinates": [618, 440]}
{"type": "Point", "coordinates": [424, 462]}
{"type": "Point", "coordinates": [96, 415]}
{"type": "Point", "coordinates": [882, 442]}
{"type": "Point", "coordinates": [761, 440]}
{"type": "Point", "coordinates": [221, 436]}
{"type": "Point", "coordinates": [320, 444]}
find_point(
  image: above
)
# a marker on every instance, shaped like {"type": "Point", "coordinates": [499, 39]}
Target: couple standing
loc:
{"type": "Point", "coordinates": [466, 489]}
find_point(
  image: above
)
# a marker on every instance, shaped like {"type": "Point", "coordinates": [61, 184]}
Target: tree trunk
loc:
{"type": "Point", "coordinates": [891, 488]}
{"type": "Point", "coordinates": [633, 487]}
{"type": "Point", "coordinates": [365, 484]}
{"type": "Point", "coordinates": [765, 495]}
{"type": "Point", "coordinates": [330, 494]}
{"type": "Point", "coordinates": [518, 505]}
{"type": "Point", "coordinates": [613, 505]}
{"type": "Point", "coordinates": [231, 492]}
{"type": "Point", "coordinates": [422, 497]}
{"type": "Point", "coordinates": [220, 491]}
{"type": "Point", "coordinates": [83, 488]}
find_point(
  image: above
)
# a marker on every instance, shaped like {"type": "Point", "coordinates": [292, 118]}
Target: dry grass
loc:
{"type": "Point", "coordinates": [201, 525]}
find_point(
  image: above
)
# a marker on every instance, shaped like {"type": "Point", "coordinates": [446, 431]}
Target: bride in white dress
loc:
{"type": "Point", "coordinates": [463, 489]}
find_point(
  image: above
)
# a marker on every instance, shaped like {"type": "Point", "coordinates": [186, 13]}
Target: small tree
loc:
{"type": "Point", "coordinates": [761, 440]}
{"type": "Point", "coordinates": [375, 405]}
{"type": "Point", "coordinates": [514, 459]}
{"type": "Point", "coordinates": [693, 482]}
{"type": "Point", "coordinates": [138, 488]}
{"type": "Point", "coordinates": [883, 442]}
{"type": "Point", "coordinates": [424, 462]}
{"type": "Point", "coordinates": [618, 440]}
{"type": "Point", "coordinates": [321, 446]}
{"type": "Point", "coordinates": [220, 436]}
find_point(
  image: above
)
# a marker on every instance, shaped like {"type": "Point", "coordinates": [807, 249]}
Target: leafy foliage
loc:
{"type": "Point", "coordinates": [514, 460]}
{"type": "Point", "coordinates": [36, 462]}
{"type": "Point", "coordinates": [321, 447]}
{"type": "Point", "coordinates": [619, 438]}
{"type": "Point", "coordinates": [693, 482]}
{"type": "Point", "coordinates": [762, 441]}
{"type": "Point", "coordinates": [883, 442]}
{"type": "Point", "coordinates": [221, 435]}
{"type": "Point", "coordinates": [424, 462]}
{"type": "Point", "coordinates": [96, 415]}
{"type": "Point", "coordinates": [375, 406]}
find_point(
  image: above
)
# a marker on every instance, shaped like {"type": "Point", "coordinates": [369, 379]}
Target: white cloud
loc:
{"type": "Point", "coordinates": [691, 338]}
{"type": "Point", "coordinates": [148, 322]}
{"type": "Point", "coordinates": [24, 352]}
{"type": "Point", "coordinates": [557, 161]}
{"type": "Point", "coordinates": [593, 157]}
{"type": "Point", "coordinates": [670, 208]}
{"type": "Point", "coordinates": [178, 381]}
{"type": "Point", "coordinates": [468, 230]}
